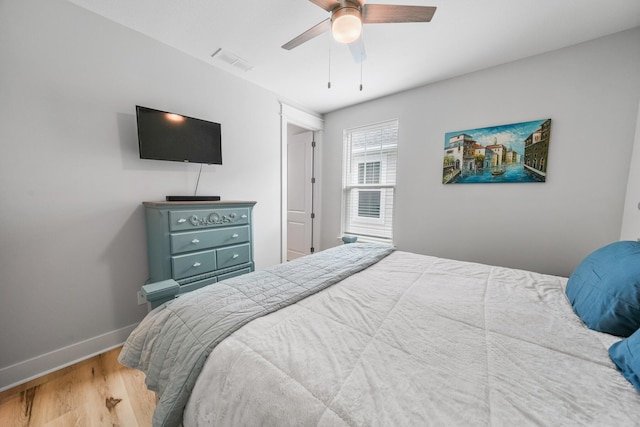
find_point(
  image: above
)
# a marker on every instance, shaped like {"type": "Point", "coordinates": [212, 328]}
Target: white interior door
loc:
{"type": "Point", "coordinates": [299, 195]}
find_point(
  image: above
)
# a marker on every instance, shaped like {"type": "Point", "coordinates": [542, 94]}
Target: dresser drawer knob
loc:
{"type": "Point", "coordinates": [195, 241]}
{"type": "Point", "coordinates": [196, 264]}
{"type": "Point", "coordinates": [181, 221]}
{"type": "Point", "coordinates": [235, 256]}
{"type": "Point", "coordinates": [243, 216]}
{"type": "Point", "coordinates": [235, 236]}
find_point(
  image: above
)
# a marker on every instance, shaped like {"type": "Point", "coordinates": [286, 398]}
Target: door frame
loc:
{"type": "Point", "coordinates": [290, 115]}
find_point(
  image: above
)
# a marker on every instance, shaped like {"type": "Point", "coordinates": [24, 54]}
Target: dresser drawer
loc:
{"type": "Point", "coordinates": [233, 255]}
{"type": "Point", "coordinates": [205, 239]}
{"type": "Point", "coordinates": [205, 218]}
{"type": "Point", "coordinates": [193, 264]}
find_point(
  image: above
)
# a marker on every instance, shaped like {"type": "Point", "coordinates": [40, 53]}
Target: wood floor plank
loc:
{"type": "Point", "coordinates": [15, 411]}
{"type": "Point", "coordinates": [69, 419]}
{"type": "Point", "coordinates": [99, 392]}
{"type": "Point", "coordinates": [143, 400]}
{"type": "Point", "coordinates": [117, 400]}
{"type": "Point", "coordinates": [61, 398]}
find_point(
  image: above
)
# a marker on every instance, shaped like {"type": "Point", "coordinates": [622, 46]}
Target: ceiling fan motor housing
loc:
{"type": "Point", "coordinates": [346, 21]}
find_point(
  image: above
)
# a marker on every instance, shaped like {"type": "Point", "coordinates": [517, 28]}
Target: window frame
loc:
{"type": "Point", "coordinates": [384, 151]}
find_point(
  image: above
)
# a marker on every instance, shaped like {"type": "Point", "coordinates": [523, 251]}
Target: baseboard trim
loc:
{"type": "Point", "coordinates": [30, 369]}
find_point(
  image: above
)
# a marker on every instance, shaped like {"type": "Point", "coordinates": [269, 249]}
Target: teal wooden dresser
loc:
{"type": "Point", "coordinates": [195, 244]}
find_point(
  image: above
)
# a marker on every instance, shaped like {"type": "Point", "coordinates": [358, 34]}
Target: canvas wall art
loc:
{"type": "Point", "coordinates": [517, 152]}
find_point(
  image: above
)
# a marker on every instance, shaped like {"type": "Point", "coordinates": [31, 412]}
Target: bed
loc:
{"type": "Point", "coordinates": [365, 335]}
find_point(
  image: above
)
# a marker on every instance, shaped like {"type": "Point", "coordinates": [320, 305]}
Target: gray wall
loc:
{"type": "Point", "coordinates": [631, 218]}
{"type": "Point", "coordinates": [72, 238]}
{"type": "Point", "coordinates": [590, 91]}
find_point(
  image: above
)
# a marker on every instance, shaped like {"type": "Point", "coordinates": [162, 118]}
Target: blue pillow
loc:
{"type": "Point", "coordinates": [604, 289]}
{"type": "Point", "coordinates": [626, 355]}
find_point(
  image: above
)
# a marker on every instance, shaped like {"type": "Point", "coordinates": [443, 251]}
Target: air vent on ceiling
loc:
{"type": "Point", "coordinates": [231, 59]}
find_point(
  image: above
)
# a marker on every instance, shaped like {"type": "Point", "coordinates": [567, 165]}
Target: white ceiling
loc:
{"type": "Point", "coordinates": [464, 36]}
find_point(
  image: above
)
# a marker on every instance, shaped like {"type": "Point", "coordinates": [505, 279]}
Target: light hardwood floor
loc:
{"type": "Point", "coordinates": [95, 392]}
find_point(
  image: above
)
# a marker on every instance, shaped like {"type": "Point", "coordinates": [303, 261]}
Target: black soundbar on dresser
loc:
{"type": "Point", "coordinates": [192, 198]}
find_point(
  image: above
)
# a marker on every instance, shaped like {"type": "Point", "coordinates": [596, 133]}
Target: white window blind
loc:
{"type": "Point", "coordinates": [369, 180]}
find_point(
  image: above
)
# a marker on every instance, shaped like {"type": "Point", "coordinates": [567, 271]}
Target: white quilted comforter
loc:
{"type": "Point", "coordinates": [173, 341]}
{"type": "Point", "coordinates": [416, 341]}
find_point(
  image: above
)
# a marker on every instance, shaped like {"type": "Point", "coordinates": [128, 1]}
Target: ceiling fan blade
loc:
{"type": "Point", "coordinates": [389, 13]}
{"type": "Point", "coordinates": [309, 34]}
{"type": "Point", "coordinates": [357, 50]}
{"type": "Point", "coordinates": [327, 5]}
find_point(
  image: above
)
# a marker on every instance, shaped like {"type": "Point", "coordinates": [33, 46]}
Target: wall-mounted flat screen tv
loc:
{"type": "Point", "coordinates": [174, 137]}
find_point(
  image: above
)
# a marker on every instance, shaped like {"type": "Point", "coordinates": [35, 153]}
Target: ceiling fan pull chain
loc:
{"type": "Point", "coordinates": [361, 57]}
{"type": "Point", "coordinates": [329, 79]}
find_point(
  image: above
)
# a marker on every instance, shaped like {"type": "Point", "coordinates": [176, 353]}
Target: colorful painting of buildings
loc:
{"type": "Point", "coordinates": [516, 152]}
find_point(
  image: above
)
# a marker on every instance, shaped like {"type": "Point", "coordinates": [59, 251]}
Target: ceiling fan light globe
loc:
{"type": "Point", "coordinates": [346, 25]}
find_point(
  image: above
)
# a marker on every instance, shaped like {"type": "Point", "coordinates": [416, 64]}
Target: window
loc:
{"type": "Point", "coordinates": [369, 173]}
{"type": "Point", "coordinates": [369, 204]}
{"type": "Point", "coordinates": [369, 180]}
{"type": "Point", "coordinates": [369, 201]}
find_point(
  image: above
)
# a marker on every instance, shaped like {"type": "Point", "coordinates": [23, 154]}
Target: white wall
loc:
{"type": "Point", "coordinates": [631, 217]}
{"type": "Point", "coordinates": [72, 237]}
{"type": "Point", "coordinates": [590, 91]}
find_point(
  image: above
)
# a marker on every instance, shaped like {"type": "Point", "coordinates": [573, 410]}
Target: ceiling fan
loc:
{"type": "Point", "coordinates": [347, 17]}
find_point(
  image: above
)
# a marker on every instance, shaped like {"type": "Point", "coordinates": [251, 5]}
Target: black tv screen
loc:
{"type": "Point", "coordinates": [174, 137]}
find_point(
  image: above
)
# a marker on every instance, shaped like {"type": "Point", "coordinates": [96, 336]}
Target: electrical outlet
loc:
{"type": "Point", "coordinates": [141, 298]}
